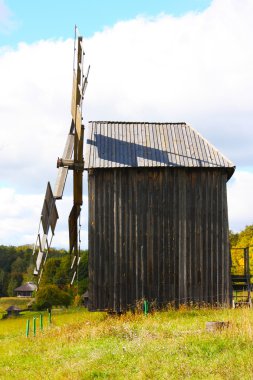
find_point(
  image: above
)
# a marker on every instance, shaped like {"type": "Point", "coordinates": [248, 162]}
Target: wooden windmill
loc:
{"type": "Point", "coordinates": [72, 159]}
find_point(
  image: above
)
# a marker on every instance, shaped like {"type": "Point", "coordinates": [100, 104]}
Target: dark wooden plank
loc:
{"type": "Point", "coordinates": [91, 242]}
{"type": "Point", "coordinates": [157, 233]}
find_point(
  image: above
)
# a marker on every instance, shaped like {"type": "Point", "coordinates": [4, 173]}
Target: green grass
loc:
{"type": "Point", "coordinates": [5, 302]}
{"type": "Point", "coordinates": [164, 345]}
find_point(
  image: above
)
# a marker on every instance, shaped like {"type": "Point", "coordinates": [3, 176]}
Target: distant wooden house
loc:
{"type": "Point", "coordinates": [85, 299]}
{"type": "Point", "coordinates": [13, 310]}
{"type": "Point", "coordinates": [25, 290]}
{"type": "Point", "coordinates": [158, 220]}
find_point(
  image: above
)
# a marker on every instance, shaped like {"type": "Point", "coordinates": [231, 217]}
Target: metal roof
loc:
{"type": "Point", "coordinates": [113, 144]}
{"type": "Point", "coordinates": [28, 287]}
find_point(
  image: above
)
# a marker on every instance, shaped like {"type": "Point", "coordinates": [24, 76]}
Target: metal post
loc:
{"type": "Point", "coordinates": [34, 326]}
{"type": "Point", "coordinates": [27, 328]}
{"type": "Point", "coordinates": [247, 271]}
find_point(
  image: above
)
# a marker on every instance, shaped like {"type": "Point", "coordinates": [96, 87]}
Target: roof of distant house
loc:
{"type": "Point", "coordinates": [28, 287]}
{"type": "Point", "coordinates": [13, 308]}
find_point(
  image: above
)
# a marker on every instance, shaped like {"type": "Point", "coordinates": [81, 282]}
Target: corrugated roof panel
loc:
{"type": "Point", "coordinates": [168, 144]}
{"type": "Point", "coordinates": [194, 148]}
{"type": "Point", "coordinates": [121, 144]}
{"type": "Point", "coordinates": [176, 161]}
{"type": "Point", "coordinates": [162, 152]}
{"type": "Point", "coordinates": [181, 146]}
{"type": "Point", "coordinates": [188, 143]}
{"type": "Point", "coordinates": [162, 140]}
{"type": "Point", "coordinates": [152, 155]}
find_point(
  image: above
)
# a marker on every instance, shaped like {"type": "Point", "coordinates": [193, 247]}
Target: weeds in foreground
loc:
{"type": "Point", "coordinates": [162, 345]}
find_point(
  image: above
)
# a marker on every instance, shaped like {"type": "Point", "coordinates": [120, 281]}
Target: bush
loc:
{"type": "Point", "coordinates": [49, 296]}
{"type": "Point", "coordinates": [77, 301]}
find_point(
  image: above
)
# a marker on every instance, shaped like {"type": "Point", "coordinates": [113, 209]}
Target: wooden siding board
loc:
{"type": "Point", "coordinates": [91, 240]}
{"type": "Point", "coordinates": [156, 256]}
{"type": "Point", "coordinates": [183, 228]}
{"type": "Point", "coordinates": [115, 225]}
{"type": "Point", "coordinates": [99, 250]}
{"type": "Point", "coordinates": [156, 234]}
{"type": "Point", "coordinates": [124, 212]}
{"type": "Point", "coordinates": [205, 237]}
{"type": "Point", "coordinates": [110, 221]}
{"type": "Point", "coordinates": [150, 234]}
{"type": "Point", "coordinates": [194, 236]}
{"type": "Point", "coordinates": [188, 241]}
{"type": "Point", "coordinates": [211, 235]}
{"type": "Point", "coordinates": [144, 206]}
{"type": "Point", "coordinates": [96, 241]}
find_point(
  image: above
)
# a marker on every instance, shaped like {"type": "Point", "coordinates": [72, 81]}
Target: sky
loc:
{"type": "Point", "coordinates": [151, 60]}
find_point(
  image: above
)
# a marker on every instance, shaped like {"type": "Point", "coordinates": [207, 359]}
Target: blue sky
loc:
{"type": "Point", "coordinates": [193, 63]}
{"type": "Point", "coordinates": [32, 20]}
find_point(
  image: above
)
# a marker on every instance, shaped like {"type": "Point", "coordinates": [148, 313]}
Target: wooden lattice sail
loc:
{"type": "Point", "coordinates": [72, 159]}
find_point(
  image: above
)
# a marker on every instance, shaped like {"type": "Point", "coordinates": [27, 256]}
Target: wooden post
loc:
{"type": "Point", "coordinates": [49, 317]}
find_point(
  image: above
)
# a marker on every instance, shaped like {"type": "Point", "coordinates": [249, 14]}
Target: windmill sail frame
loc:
{"type": "Point", "coordinates": [72, 159]}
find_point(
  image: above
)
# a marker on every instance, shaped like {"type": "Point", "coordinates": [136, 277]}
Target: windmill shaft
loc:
{"type": "Point", "coordinates": [70, 164]}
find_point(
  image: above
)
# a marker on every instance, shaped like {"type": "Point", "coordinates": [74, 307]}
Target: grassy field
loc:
{"type": "Point", "coordinates": [163, 345]}
{"type": "Point", "coordinates": [5, 302]}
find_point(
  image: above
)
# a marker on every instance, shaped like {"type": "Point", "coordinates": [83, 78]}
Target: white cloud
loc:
{"type": "Point", "coordinates": [196, 68]}
{"type": "Point", "coordinates": [20, 214]}
{"type": "Point", "coordinates": [240, 200]}
{"type": "Point", "coordinates": [34, 108]}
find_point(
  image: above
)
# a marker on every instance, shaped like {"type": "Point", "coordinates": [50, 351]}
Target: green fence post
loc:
{"type": "Point", "coordinates": [34, 326]}
{"type": "Point", "coordinates": [146, 307]}
{"type": "Point", "coordinates": [41, 321]}
{"type": "Point", "coordinates": [49, 317]}
{"type": "Point", "coordinates": [27, 328]}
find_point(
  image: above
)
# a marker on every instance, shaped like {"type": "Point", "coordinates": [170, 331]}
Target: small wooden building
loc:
{"type": "Point", "coordinates": [158, 221]}
{"type": "Point", "coordinates": [25, 290]}
{"type": "Point", "coordinates": [13, 311]}
{"type": "Point", "coordinates": [85, 299]}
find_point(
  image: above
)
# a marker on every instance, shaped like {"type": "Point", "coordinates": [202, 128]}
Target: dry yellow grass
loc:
{"type": "Point", "coordinates": [164, 345]}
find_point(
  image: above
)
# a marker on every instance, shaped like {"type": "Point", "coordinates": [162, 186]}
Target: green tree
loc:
{"type": "Point", "coordinates": [52, 265]}
{"type": "Point", "coordinates": [3, 276]}
{"type": "Point", "coordinates": [62, 275]}
{"type": "Point", "coordinates": [83, 273]}
{"type": "Point", "coordinates": [15, 281]}
{"type": "Point", "coordinates": [238, 241]}
{"type": "Point", "coordinates": [233, 238]}
{"type": "Point", "coordinates": [19, 265]}
{"type": "Point", "coordinates": [50, 295]}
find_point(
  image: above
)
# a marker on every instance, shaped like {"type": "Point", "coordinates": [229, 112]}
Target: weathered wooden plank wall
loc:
{"type": "Point", "coordinates": [159, 234]}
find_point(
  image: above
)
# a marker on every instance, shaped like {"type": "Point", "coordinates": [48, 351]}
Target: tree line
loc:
{"type": "Point", "coordinates": [239, 241]}
{"type": "Point", "coordinates": [17, 265]}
